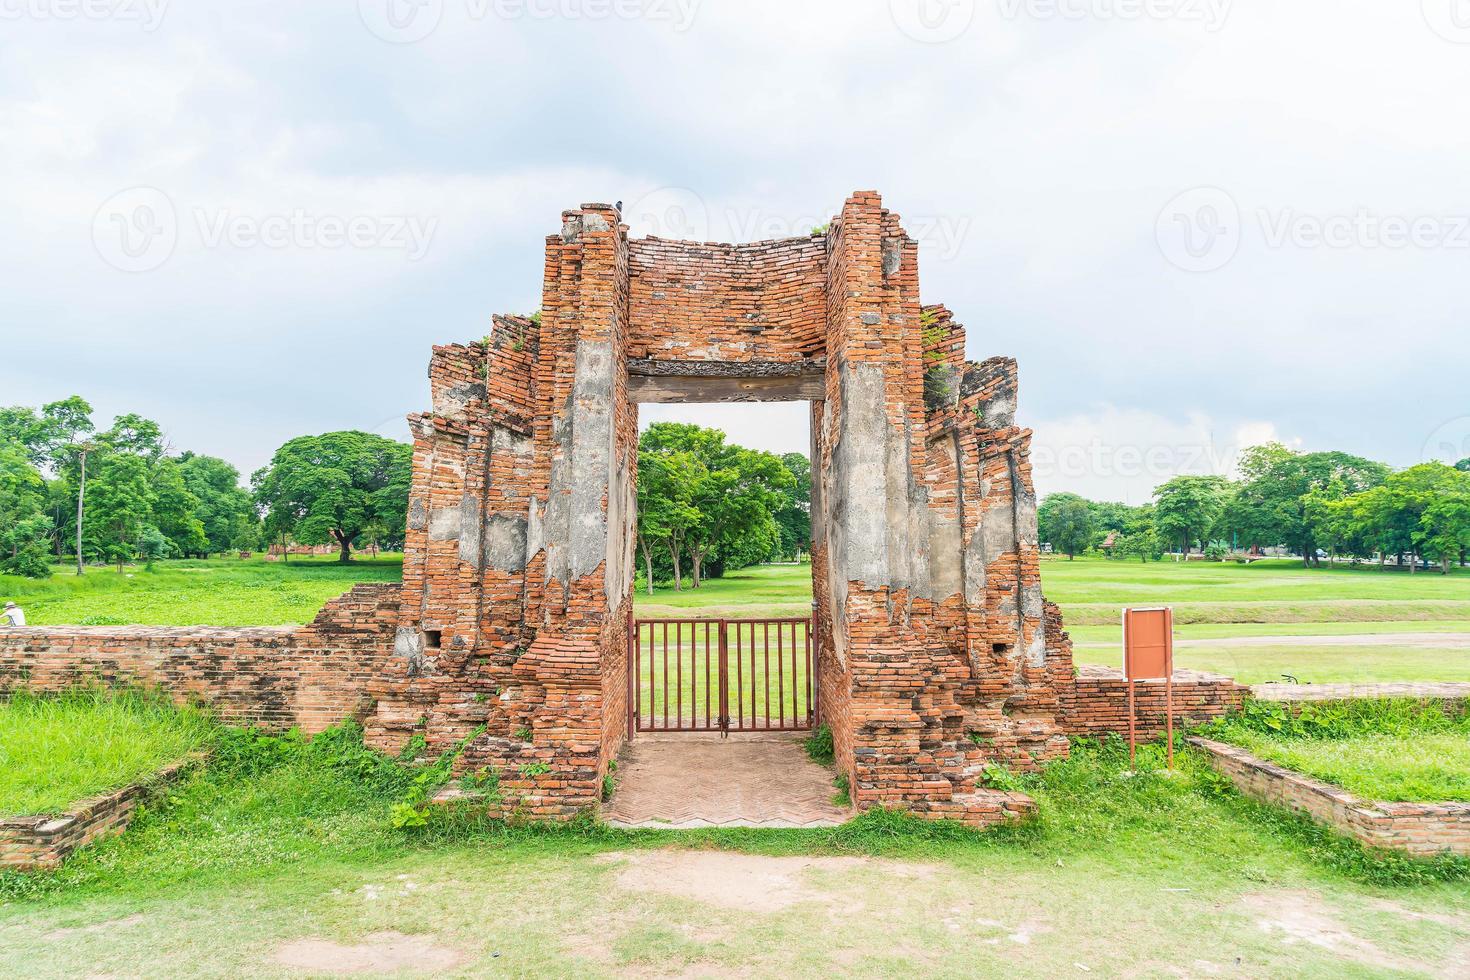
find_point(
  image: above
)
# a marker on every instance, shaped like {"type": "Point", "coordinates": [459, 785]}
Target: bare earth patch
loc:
{"type": "Point", "coordinates": [749, 882]}
{"type": "Point", "coordinates": [381, 952]}
{"type": "Point", "coordinates": [1301, 917]}
{"type": "Point", "coordinates": [57, 935]}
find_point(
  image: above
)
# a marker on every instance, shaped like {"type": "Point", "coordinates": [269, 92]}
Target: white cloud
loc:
{"type": "Point", "coordinates": [1048, 146]}
{"type": "Point", "coordinates": [1113, 453]}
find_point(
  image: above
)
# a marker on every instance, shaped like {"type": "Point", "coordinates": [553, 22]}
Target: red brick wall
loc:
{"type": "Point", "coordinates": [42, 842]}
{"type": "Point", "coordinates": [709, 302]}
{"type": "Point", "coordinates": [1098, 702]}
{"type": "Point", "coordinates": [1421, 829]}
{"type": "Point", "coordinates": [309, 678]}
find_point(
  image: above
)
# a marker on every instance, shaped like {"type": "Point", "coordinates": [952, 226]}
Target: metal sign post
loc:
{"type": "Point", "coordinates": [1148, 655]}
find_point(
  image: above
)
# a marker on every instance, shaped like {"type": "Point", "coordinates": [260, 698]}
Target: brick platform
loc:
{"type": "Point", "coordinates": [1420, 829]}
{"type": "Point", "coordinates": [678, 782]}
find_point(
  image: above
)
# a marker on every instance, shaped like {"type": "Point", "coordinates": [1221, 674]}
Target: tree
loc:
{"type": "Point", "coordinates": [1186, 508]}
{"type": "Point", "coordinates": [1284, 495]}
{"type": "Point", "coordinates": [173, 512]}
{"type": "Point", "coordinates": [665, 513]}
{"type": "Point", "coordinates": [47, 435]}
{"type": "Point", "coordinates": [334, 486]}
{"type": "Point", "coordinates": [735, 492]}
{"type": "Point", "coordinates": [735, 496]}
{"type": "Point", "coordinates": [794, 515]}
{"type": "Point", "coordinates": [1423, 511]}
{"type": "Point", "coordinates": [224, 510]}
{"type": "Point", "coordinates": [1065, 521]}
{"type": "Point", "coordinates": [24, 527]}
{"type": "Point", "coordinates": [122, 502]}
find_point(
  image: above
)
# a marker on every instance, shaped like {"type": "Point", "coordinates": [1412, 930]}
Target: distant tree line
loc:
{"type": "Point", "coordinates": [1310, 504]}
{"type": "Point", "coordinates": [72, 491]}
{"type": "Point", "coordinates": [706, 506]}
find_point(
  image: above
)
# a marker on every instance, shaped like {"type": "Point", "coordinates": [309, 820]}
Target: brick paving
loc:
{"type": "Point", "coordinates": [689, 781]}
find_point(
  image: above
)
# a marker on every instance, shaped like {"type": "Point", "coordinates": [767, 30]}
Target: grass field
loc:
{"type": "Point", "coordinates": [56, 751]}
{"type": "Point", "coordinates": [279, 859]}
{"type": "Point", "coordinates": [1395, 751]}
{"type": "Point", "coordinates": [1257, 623]}
{"type": "Point", "coordinates": [216, 592]}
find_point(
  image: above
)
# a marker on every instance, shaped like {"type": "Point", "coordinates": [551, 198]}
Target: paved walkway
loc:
{"type": "Point", "coordinates": [1339, 692]}
{"type": "Point", "coordinates": [688, 781]}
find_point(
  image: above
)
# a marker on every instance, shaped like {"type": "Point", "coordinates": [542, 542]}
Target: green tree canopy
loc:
{"type": "Point", "coordinates": [225, 509]}
{"type": "Point", "coordinates": [1065, 521]}
{"type": "Point", "coordinates": [332, 487]}
{"type": "Point", "coordinates": [733, 492]}
{"type": "Point", "coordinates": [1186, 508]}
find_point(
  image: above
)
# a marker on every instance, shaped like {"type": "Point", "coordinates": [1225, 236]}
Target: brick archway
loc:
{"type": "Point", "coordinates": [935, 650]}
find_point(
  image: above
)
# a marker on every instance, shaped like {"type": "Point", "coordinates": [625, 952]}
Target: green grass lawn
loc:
{"type": "Point", "coordinates": [764, 591]}
{"type": "Point", "coordinates": [276, 842]}
{"type": "Point", "coordinates": [1394, 751]}
{"type": "Point", "coordinates": [56, 751]}
{"type": "Point", "coordinates": [216, 592]}
{"type": "Point", "coordinates": [1091, 591]}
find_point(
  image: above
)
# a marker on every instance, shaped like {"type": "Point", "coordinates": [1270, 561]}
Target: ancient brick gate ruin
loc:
{"type": "Point", "coordinates": [936, 653]}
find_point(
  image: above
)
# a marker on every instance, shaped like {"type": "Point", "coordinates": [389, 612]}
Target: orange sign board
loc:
{"type": "Point", "coordinates": [1148, 644]}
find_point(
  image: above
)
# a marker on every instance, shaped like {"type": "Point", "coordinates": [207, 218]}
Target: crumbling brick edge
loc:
{"type": "Point", "coordinates": [1418, 829]}
{"type": "Point", "coordinates": [43, 842]}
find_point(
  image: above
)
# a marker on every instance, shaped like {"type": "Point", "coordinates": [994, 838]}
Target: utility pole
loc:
{"type": "Point", "coordinates": [81, 495]}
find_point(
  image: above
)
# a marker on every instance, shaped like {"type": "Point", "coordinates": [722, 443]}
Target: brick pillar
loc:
{"type": "Point", "coordinates": [880, 671]}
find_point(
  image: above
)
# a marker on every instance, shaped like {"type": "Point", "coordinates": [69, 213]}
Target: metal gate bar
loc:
{"type": "Point", "coordinates": [662, 700]}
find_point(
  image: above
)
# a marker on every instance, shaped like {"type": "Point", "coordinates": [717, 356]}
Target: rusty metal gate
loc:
{"type": "Point", "coordinates": [721, 675]}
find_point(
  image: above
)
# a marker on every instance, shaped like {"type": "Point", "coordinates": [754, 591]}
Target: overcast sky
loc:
{"type": "Point", "coordinates": [1198, 224]}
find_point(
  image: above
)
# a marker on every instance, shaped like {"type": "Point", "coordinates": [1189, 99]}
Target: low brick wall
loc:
{"type": "Point", "coordinates": [312, 677]}
{"type": "Point", "coordinates": [40, 842]}
{"type": "Point", "coordinates": [1097, 702]}
{"type": "Point", "coordinates": [1420, 829]}
{"type": "Point", "coordinates": [1450, 693]}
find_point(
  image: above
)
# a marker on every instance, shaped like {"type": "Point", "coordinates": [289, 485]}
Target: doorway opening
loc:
{"type": "Point", "coordinates": [723, 685]}
{"type": "Point", "coordinates": [722, 636]}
